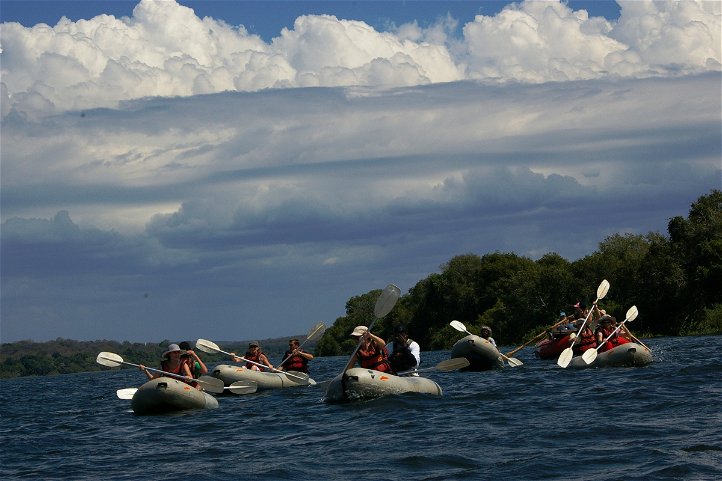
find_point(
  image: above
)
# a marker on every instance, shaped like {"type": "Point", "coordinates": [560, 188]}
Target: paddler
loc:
{"type": "Point", "coordinates": [372, 353]}
{"type": "Point", "coordinates": [254, 355]}
{"type": "Point", "coordinates": [295, 359]}
{"type": "Point", "coordinates": [172, 364]}
{"type": "Point", "coordinates": [404, 353]}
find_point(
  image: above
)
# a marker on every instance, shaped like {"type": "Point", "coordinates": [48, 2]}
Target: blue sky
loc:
{"type": "Point", "coordinates": [239, 170]}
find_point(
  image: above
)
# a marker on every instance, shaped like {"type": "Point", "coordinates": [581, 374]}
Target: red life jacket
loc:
{"type": "Point", "coordinates": [613, 341]}
{"type": "Point", "coordinates": [178, 370]}
{"type": "Point", "coordinates": [255, 358]}
{"type": "Point", "coordinates": [375, 358]}
{"type": "Point", "coordinates": [295, 363]}
{"type": "Point", "coordinates": [586, 341]}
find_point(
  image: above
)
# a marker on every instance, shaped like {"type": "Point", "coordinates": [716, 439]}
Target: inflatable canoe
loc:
{"type": "Point", "coordinates": [359, 384]}
{"type": "Point", "coordinates": [552, 347]}
{"type": "Point", "coordinates": [265, 380]}
{"type": "Point", "coordinates": [165, 394]}
{"type": "Point", "coordinates": [482, 354]}
{"type": "Point", "coordinates": [629, 354]}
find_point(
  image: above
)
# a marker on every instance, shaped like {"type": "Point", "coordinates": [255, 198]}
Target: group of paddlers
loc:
{"type": "Point", "coordinates": [182, 361]}
{"type": "Point", "coordinates": [590, 330]}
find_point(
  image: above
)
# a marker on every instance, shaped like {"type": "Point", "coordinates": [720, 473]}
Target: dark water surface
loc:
{"type": "Point", "coordinates": [538, 421]}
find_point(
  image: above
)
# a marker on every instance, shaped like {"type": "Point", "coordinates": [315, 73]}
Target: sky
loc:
{"type": "Point", "coordinates": [237, 170]}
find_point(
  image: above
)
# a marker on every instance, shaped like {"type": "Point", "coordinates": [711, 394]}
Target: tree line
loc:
{"type": "Point", "coordinates": [63, 356]}
{"type": "Point", "coordinates": [674, 280]}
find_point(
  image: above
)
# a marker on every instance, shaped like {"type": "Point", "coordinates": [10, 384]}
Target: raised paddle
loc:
{"type": "Point", "coordinates": [211, 347]}
{"type": "Point", "coordinates": [566, 356]}
{"type": "Point", "coordinates": [591, 354]}
{"type": "Point", "coordinates": [238, 387]}
{"type": "Point", "coordinates": [446, 365]}
{"type": "Point", "coordinates": [316, 330]}
{"type": "Point", "coordinates": [386, 301]}
{"type": "Point", "coordinates": [513, 362]}
{"type": "Point", "coordinates": [210, 384]}
{"type": "Point", "coordinates": [511, 353]}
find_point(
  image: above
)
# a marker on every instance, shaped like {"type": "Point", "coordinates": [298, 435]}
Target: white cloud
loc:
{"type": "Point", "coordinates": [164, 49]}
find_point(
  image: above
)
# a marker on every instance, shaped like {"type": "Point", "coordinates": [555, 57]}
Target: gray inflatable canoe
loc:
{"type": "Point", "coordinates": [629, 354]}
{"type": "Point", "coordinates": [482, 354]}
{"type": "Point", "coordinates": [165, 394]}
{"type": "Point", "coordinates": [265, 380]}
{"type": "Point", "coordinates": [359, 384]}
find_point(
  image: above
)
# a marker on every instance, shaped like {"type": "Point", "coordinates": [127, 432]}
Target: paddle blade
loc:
{"type": "Point", "coordinates": [458, 326]}
{"type": "Point", "coordinates": [632, 314]}
{"type": "Point", "coordinates": [565, 357]}
{"type": "Point", "coordinates": [126, 393]}
{"type": "Point", "coordinates": [109, 359]}
{"type": "Point", "coordinates": [452, 364]}
{"type": "Point", "coordinates": [207, 346]}
{"type": "Point", "coordinates": [387, 300]}
{"type": "Point", "coordinates": [297, 377]}
{"type": "Point", "coordinates": [211, 384]}
{"type": "Point", "coordinates": [316, 331]}
{"type": "Point", "coordinates": [602, 289]}
{"type": "Point", "coordinates": [589, 355]}
{"type": "Point", "coordinates": [243, 387]}
{"type": "Point", "coordinates": [514, 362]}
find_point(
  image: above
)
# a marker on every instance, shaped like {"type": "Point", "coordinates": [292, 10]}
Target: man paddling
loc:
{"type": "Point", "coordinates": [404, 353]}
{"type": "Point", "coordinates": [295, 359]}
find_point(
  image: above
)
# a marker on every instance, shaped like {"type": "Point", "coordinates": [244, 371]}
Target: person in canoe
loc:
{"type": "Point", "coordinates": [404, 353]}
{"type": "Point", "coordinates": [486, 334]}
{"type": "Point", "coordinates": [607, 325]}
{"type": "Point", "coordinates": [189, 356]}
{"type": "Point", "coordinates": [586, 339]}
{"type": "Point", "coordinates": [295, 359]}
{"type": "Point", "coordinates": [372, 352]}
{"type": "Point", "coordinates": [172, 364]}
{"type": "Point", "coordinates": [255, 355]}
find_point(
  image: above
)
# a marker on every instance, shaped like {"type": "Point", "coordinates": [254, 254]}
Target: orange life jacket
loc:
{"type": "Point", "coordinates": [375, 358]}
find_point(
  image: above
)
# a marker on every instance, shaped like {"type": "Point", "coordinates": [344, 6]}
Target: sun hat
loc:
{"type": "Point", "coordinates": [359, 330]}
{"type": "Point", "coordinates": [171, 348]}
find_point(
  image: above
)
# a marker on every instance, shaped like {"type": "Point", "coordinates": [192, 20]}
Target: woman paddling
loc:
{"type": "Point", "coordinates": [173, 364]}
{"type": "Point", "coordinates": [372, 353]}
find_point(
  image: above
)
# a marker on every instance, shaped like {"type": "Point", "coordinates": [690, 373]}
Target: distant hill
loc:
{"type": "Point", "coordinates": [63, 356]}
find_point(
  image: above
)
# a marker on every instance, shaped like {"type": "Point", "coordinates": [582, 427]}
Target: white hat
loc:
{"type": "Point", "coordinates": [171, 348]}
{"type": "Point", "coordinates": [359, 330]}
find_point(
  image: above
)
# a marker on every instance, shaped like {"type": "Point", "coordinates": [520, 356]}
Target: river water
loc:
{"type": "Point", "coordinates": [537, 421]}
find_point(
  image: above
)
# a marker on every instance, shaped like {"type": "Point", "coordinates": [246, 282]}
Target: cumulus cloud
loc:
{"type": "Point", "coordinates": [164, 49]}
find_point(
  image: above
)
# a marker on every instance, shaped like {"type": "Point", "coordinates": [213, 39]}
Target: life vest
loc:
{"type": "Point", "coordinates": [295, 363]}
{"type": "Point", "coordinates": [375, 358]}
{"type": "Point", "coordinates": [178, 370]}
{"type": "Point", "coordinates": [586, 341]}
{"type": "Point", "coordinates": [401, 358]}
{"type": "Point", "coordinates": [613, 341]}
{"type": "Point", "coordinates": [255, 358]}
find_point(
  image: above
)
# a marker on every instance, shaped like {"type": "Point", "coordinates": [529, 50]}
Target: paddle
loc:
{"type": "Point", "coordinates": [544, 333]}
{"type": "Point", "coordinates": [444, 366]}
{"type": "Point", "coordinates": [591, 354]}
{"type": "Point", "coordinates": [513, 362]}
{"type": "Point", "coordinates": [238, 387]}
{"type": "Point", "coordinates": [211, 347]}
{"type": "Point", "coordinates": [386, 301]}
{"type": "Point", "coordinates": [210, 384]}
{"type": "Point", "coordinates": [315, 331]}
{"type": "Point", "coordinates": [566, 356]}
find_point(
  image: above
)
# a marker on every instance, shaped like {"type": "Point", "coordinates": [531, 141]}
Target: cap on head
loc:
{"type": "Point", "coordinates": [400, 329]}
{"type": "Point", "coordinates": [254, 344]}
{"type": "Point", "coordinates": [359, 330]}
{"type": "Point", "coordinates": [171, 348]}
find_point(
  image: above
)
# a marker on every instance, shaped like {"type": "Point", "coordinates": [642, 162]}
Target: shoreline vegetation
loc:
{"type": "Point", "coordinates": [673, 279]}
